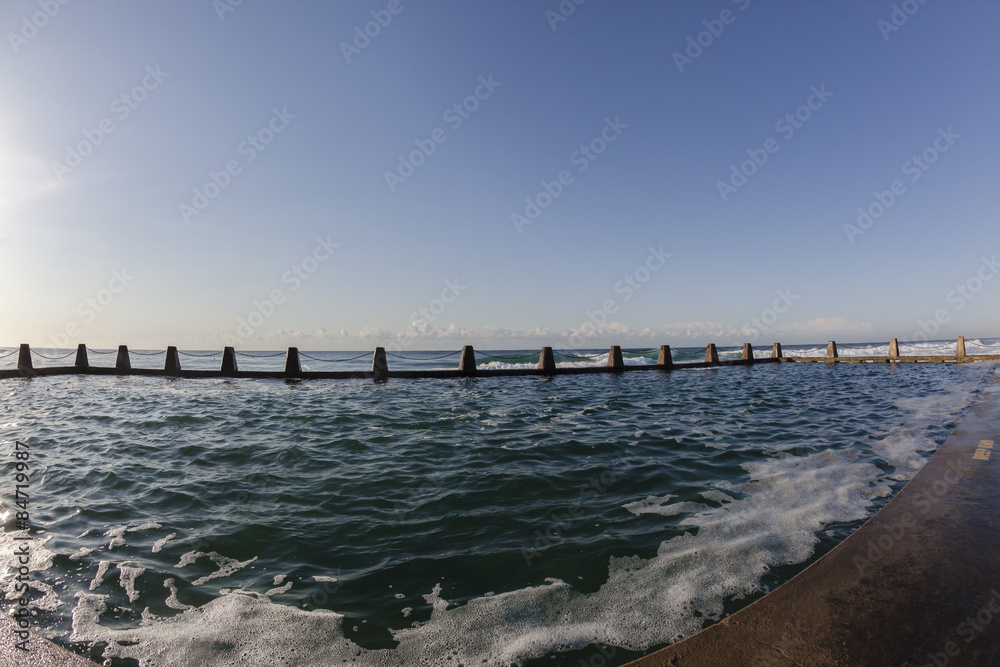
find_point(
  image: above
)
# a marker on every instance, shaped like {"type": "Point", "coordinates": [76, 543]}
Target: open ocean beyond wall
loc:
{"type": "Point", "coordinates": [539, 521]}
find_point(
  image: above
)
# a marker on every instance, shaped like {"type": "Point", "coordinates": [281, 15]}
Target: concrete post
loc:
{"type": "Point", "coordinates": [546, 360]}
{"type": "Point", "coordinates": [24, 359]}
{"type": "Point", "coordinates": [711, 354]}
{"type": "Point", "coordinates": [380, 365]}
{"type": "Point", "coordinates": [229, 366]}
{"type": "Point", "coordinates": [665, 359]}
{"type": "Point", "coordinates": [960, 347]}
{"type": "Point", "coordinates": [615, 358]}
{"type": "Point", "coordinates": [467, 365]}
{"type": "Point", "coordinates": [123, 362]}
{"type": "Point", "coordinates": [831, 350]}
{"type": "Point", "coordinates": [747, 354]}
{"type": "Point", "coordinates": [292, 366]}
{"type": "Point", "coordinates": [776, 351]}
{"type": "Point", "coordinates": [173, 362]}
{"type": "Point", "coordinates": [893, 348]}
{"type": "Point", "coordinates": [81, 356]}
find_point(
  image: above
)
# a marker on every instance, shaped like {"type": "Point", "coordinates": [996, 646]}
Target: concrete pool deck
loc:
{"type": "Point", "coordinates": [41, 652]}
{"type": "Point", "coordinates": [918, 584]}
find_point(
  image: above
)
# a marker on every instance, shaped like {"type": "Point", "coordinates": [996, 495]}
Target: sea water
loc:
{"type": "Point", "coordinates": [563, 521]}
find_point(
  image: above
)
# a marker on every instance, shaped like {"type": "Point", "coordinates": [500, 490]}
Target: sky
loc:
{"type": "Point", "coordinates": [425, 175]}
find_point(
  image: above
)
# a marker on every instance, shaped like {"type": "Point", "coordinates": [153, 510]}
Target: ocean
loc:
{"type": "Point", "coordinates": [573, 520]}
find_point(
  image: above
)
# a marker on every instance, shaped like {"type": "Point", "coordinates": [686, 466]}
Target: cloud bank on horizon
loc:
{"type": "Point", "coordinates": [505, 175]}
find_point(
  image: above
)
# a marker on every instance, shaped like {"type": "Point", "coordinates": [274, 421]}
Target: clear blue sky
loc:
{"type": "Point", "coordinates": [114, 114]}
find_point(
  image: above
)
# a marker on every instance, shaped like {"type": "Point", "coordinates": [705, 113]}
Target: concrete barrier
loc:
{"type": "Point", "coordinates": [123, 362]}
{"type": "Point", "coordinates": [711, 354]}
{"type": "Point", "coordinates": [172, 365]}
{"type": "Point", "coordinates": [665, 359]}
{"type": "Point", "coordinates": [467, 362]}
{"type": "Point", "coordinates": [380, 365]}
{"type": "Point", "coordinates": [81, 356]}
{"type": "Point", "coordinates": [293, 368]}
{"type": "Point", "coordinates": [229, 365]}
{"type": "Point", "coordinates": [466, 367]}
{"type": "Point", "coordinates": [547, 361]}
{"type": "Point", "coordinates": [615, 360]}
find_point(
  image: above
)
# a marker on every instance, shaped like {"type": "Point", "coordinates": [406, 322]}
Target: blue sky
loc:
{"type": "Point", "coordinates": [199, 173]}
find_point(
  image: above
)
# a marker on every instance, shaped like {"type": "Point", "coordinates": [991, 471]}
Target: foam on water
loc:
{"type": "Point", "coordinates": [158, 544]}
{"type": "Point", "coordinates": [102, 569]}
{"type": "Point", "coordinates": [227, 566]}
{"type": "Point", "coordinates": [145, 526]}
{"type": "Point", "coordinates": [127, 576]}
{"type": "Point", "coordinates": [117, 536]}
{"type": "Point", "coordinates": [279, 590]}
{"type": "Point", "coordinates": [39, 558]}
{"type": "Point", "coordinates": [655, 505]}
{"type": "Point", "coordinates": [80, 553]}
{"type": "Point", "coordinates": [172, 600]}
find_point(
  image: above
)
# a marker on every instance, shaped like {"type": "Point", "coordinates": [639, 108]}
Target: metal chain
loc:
{"type": "Point", "coordinates": [201, 356]}
{"type": "Point", "coordinates": [506, 357]}
{"type": "Point", "coordinates": [335, 361]}
{"type": "Point", "coordinates": [639, 353]}
{"type": "Point", "coordinates": [39, 354]}
{"type": "Point", "coordinates": [261, 356]}
{"type": "Point", "coordinates": [99, 352]}
{"type": "Point", "coordinates": [443, 356]}
{"type": "Point", "coordinates": [866, 347]}
{"type": "Point", "coordinates": [4, 356]}
{"type": "Point", "coordinates": [567, 355]}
